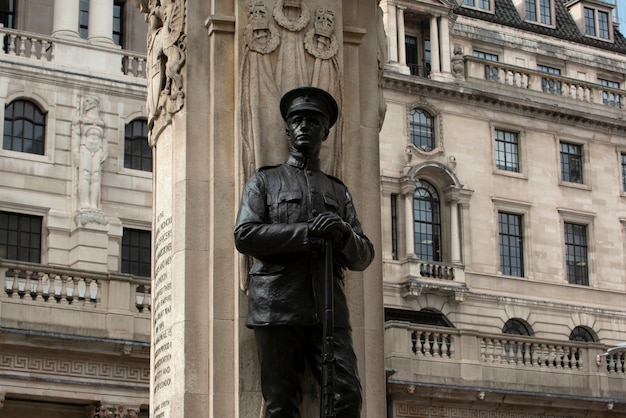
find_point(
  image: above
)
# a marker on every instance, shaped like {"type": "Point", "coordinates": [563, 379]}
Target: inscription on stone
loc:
{"type": "Point", "coordinates": [162, 314]}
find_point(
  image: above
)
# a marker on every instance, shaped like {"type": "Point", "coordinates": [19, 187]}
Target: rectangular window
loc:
{"type": "Point", "coordinates": [118, 23]}
{"type": "Point", "coordinates": [597, 23]}
{"type": "Point", "coordinates": [549, 84]}
{"type": "Point", "coordinates": [576, 254]}
{"type": "Point", "coordinates": [20, 237]}
{"type": "Point", "coordinates": [7, 13]}
{"type": "Point", "coordinates": [83, 19]}
{"type": "Point", "coordinates": [410, 48]}
{"type": "Point", "coordinates": [623, 172]}
{"type": "Point", "coordinates": [507, 151]}
{"type": "Point", "coordinates": [394, 226]}
{"type": "Point", "coordinates": [531, 10]}
{"type": "Point", "coordinates": [482, 4]}
{"type": "Point", "coordinates": [511, 244]}
{"type": "Point", "coordinates": [538, 11]}
{"type": "Point", "coordinates": [571, 163]}
{"type": "Point", "coordinates": [136, 252]}
{"type": "Point", "coordinates": [491, 72]}
{"type": "Point", "coordinates": [610, 98]}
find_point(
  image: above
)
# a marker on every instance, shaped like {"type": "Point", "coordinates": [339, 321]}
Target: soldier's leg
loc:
{"type": "Point", "coordinates": [347, 386]}
{"type": "Point", "coordinates": [282, 366]}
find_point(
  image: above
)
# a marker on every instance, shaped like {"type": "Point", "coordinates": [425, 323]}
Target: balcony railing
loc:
{"type": "Point", "coordinates": [46, 285]}
{"type": "Point", "coordinates": [20, 45]}
{"type": "Point", "coordinates": [446, 355]}
{"type": "Point", "coordinates": [533, 80]}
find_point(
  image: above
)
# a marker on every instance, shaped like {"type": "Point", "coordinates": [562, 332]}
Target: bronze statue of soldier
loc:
{"type": "Point", "coordinates": [287, 215]}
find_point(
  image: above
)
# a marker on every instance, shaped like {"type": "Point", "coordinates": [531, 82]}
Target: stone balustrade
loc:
{"type": "Point", "coordinates": [438, 355]}
{"type": "Point", "coordinates": [19, 45]}
{"type": "Point", "coordinates": [524, 78]}
{"type": "Point", "coordinates": [40, 284]}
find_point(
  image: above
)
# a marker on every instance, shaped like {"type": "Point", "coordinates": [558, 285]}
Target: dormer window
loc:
{"type": "Point", "coordinates": [594, 18]}
{"type": "Point", "coordinates": [484, 5]}
{"type": "Point", "coordinates": [539, 11]}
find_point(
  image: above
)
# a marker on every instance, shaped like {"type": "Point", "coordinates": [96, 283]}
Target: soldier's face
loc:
{"type": "Point", "coordinates": [307, 130]}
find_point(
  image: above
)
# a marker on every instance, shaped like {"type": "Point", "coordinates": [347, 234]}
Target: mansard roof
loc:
{"type": "Point", "coordinates": [506, 14]}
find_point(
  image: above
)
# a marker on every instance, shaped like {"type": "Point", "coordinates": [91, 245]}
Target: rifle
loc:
{"type": "Point", "coordinates": [327, 398]}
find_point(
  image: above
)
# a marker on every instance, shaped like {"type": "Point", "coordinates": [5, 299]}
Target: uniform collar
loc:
{"type": "Point", "coordinates": [300, 161]}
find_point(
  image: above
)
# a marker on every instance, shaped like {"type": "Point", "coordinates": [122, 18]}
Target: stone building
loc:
{"type": "Point", "coordinates": [75, 210]}
{"type": "Point", "coordinates": [502, 164]}
{"type": "Point", "coordinates": [503, 159]}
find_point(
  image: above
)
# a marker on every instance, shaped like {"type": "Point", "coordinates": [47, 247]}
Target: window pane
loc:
{"type": "Point", "coordinates": [590, 22]}
{"type": "Point", "coordinates": [24, 128]}
{"type": "Point", "coordinates": [20, 237]}
{"type": "Point", "coordinates": [546, 12]}
{"type": "Point", "coordinates": [531, 10]}
{"type": "Point", "coordinates": [603, 25]}
{"type": "Point", "coordinates": [136, 252]}
{"type": "Point", "coordinates": [576, 254]}
{"type": "Point", "coordinates": [421, 126]}
{"type": "Point", "coordinates": [137, 151]}
{"type": "Point", "coordinates": [511, 244]}
{"type": "Point", "coordinates": [571, 163]}
{"type": "Point", "coordinates": [427, 222]}
{"type": "Point", "coordinates": [507, 154]}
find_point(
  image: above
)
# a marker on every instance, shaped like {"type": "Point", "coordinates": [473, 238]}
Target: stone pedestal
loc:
{"type": "Point", "coordinates": [204, 360]}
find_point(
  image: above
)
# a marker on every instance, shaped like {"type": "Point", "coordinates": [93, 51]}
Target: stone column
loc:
{"type": "Point", "coordinates": [408, 214]}
{"type": "Point", "coordinates": [434, 45]}
{"type": "Point", "coordinates": [204, 361]}
{"type": "Point", "coordinates": [444, 42]}
{"type": "Point", "coordinates": [401, 35]}
{"type": "Point", "coordinates": [392, 32]}
{"type": "Point", "coordinates": [100, 22]}
{"type": "Point", "coordinates": [65, 18]}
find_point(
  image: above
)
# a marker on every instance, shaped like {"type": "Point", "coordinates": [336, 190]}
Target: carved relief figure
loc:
{"type": "Point", "coordinates": [292, 16]}
{"type": "Point", "coordinates": [458, 62]}
{"type": "Point", "coordinates": [259, 93]}
{"type": "Point", "coordinates": [166, 57]}
{"type": "Point", "coordinates": [90, 151]}
{"type": "Point", "coordinates": [321, 43]}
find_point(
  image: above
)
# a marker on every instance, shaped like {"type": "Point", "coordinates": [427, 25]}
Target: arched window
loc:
{"type": "Point", "coordinates": [517, 327]}
{"type": "Point", "coordinates": [421, 129]}
{"type": "Point", "coordinates": [427, 222]}
{"type": "Point", "coordinates": [583, 334]}
{"type": "Point", "coordinates": [137, 151]}
{"type": "Point", "coordinates": [24, 127]}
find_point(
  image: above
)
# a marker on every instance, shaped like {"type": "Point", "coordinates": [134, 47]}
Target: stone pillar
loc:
{"type": "Point", "coordinates": [401, 35]}
{"type": "Point", "coordinates": [204, 361]}
{"type": "Point", "coordinates": [392, 32]}
{"type": "Point", "coordinates": [408, 213]}
{"type": "Point", "coordinates": [434, 46]}
{"type": "Point", "coordinates": [65, 20]}
{"type": "Point", "coordinates": [444, 44]}
{"type": "Point", "coordinates": [101, 22]}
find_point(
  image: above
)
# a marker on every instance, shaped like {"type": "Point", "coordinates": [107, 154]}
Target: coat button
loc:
{"type": "Point", "coordinates": [314, 212]}
{"type": "Point", "coordinates": [313, 190]}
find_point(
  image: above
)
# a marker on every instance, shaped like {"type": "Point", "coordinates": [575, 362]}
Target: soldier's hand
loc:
{"type": "Point", "coordinates": [330, 226]}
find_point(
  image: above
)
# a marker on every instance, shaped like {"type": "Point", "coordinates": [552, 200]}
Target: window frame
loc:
{"type": "Point", "coordinates": [480, 5]}
{"type": "Point", "coordinates": [513, 166]}
{"type": "Point", "coordinates": [437, 246]}
{"type": "Point", "coordinates": [491, 73]}
{"type": "Point", "coordinates": [22, 217]}
{"type": "Point", "coordinates": [522, 209]}
{"type": "Point", "coordinates": [504, 242]}
{"type": "Point", "coordinates": [119, 5]}
{"type": "Point", "coordinates": [606, 95]}
{"type": "Point", "coordinates": [135, 264]}
{"type": "Point", "coordinates": [536, 16]}
{"type": "Point", "coordinates": [38, 112]}
{"type": "Point", "coordinates": [578, 218]}
{"type": "Point", "coordinates": [595, 20]}
{"type": "Point", "coordinates": [437, 123]}
{"type": "Point", "coordinates": [622, 159]}
{"type": "Point", "coordinates": [11, 14]}
{"type": "Point", "coordinates": [562, 163]}
{"type": "Point", "coordinates": [129, 158]}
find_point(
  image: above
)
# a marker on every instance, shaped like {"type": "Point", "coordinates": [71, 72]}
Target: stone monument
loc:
{"type": "Point", "coordinates": [216, 71]}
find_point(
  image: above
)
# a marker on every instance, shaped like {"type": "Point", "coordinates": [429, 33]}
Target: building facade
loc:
{"type": "Point", "coordinates": [503, 161]}
{"type": "Point", "coordinates": [75, 210]}
{"type": "Point", "coordinates": [502, 169]}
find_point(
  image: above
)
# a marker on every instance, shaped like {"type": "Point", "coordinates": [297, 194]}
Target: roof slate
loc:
{"type": "Point", "coordinates": [565, 28]}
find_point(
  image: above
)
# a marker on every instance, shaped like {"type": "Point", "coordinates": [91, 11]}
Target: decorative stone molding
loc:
{"type": "Point", "coordinates": [166, 58]}
{"type": "Point", "coordinates": [118, 411]}
{"type": "Point", "coordinates": [74, 368]}
{"type": "Point", "coordinates": [408, 410]}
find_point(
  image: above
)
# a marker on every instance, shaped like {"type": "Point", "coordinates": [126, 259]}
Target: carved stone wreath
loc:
{"type": "Point", "coordinates": [313, 48]}
{"type": "Point", "coordinates": [291, 25]}
{"type": "Point", "coordinates": [262, 47]}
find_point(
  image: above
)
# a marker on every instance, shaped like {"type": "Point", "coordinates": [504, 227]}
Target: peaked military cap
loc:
{"type": "Point", "coordinates": [309, 98]}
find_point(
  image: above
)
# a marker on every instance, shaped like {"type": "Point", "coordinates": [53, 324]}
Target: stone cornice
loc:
{"type": "Point", "coordinates": [465, 93]}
